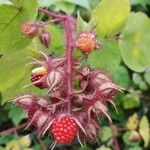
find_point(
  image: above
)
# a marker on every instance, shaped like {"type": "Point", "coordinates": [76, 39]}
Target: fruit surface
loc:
{"type": "Point", "coordinates": [86, 42]}
{"type": "Point", "coordinates": [64, 130]}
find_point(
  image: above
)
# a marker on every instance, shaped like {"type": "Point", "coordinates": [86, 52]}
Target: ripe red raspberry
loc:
{"type": "Point", "coordinates": [86, 42]}
{"type": "Point", "coordinates": [64, 130]}
{"type": "Point", "coordinates": [28, 29]}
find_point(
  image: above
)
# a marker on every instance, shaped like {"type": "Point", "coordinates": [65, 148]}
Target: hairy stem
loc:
{"type": "Point", "coordinates": [116, 145]}
{"type": "Point", "coordinates": [14, 129]}
{"type": "Point", "coordinates": [69, 49]}
{"type": "Point", "coordinates": [66, 20]}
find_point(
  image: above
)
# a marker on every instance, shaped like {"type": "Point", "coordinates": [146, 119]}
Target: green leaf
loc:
{"type": "Point", "coordinates": [83, 3]}
{"type": "Point", "coordinates": [56, 46]}
{"type": "Point", "coordinates": [135, 47]}
{"type": "Point", "coordinates": [13, 145]}
{"type": "Point", "coordinates": [6, 138]}
{"type": "Point", "coordinates": [105, 134]}
{"type": "Point", "coordinates": [141, 2]}
{"type": "Point", "coordinates": [137, 79]}
{"type": "Point", "coordinates": [6, 2]}
{"type": "Point", "coordinates": [131, 101]}
{"type": "Point", "coordinates": [16, 115]}
{"type": "Point", "coordinates": [144, 130]}
{"type": "Point", "coordinates": [121, 76]}
{"type": "Point", "coordinates": [133, 122]}
{"type": "Point", "coordinates": [46, 3]}
{"type": "Point", "coordinates": [103, 148]}
{"type": "Point", "coordinates": [143, 86]}
{"type": "Point", "coordinates": [135, 148]}
{"type": "Point", "coordinates": [15, 75]}
{"type": "Point", "coordinates": [107, 57]}
{"type": "Point", "coordinates": [65, 7]}
{"type": "Point", "coordinates": [147, 77]}
{"type": "Point", "coordinates": [110, 16]}
{"type": "Point", "coordinates": [10, 24]}
{"type": "Point", "coordinates": [81, 24]}
{"type": "Point", "coordinates": [126, 140]}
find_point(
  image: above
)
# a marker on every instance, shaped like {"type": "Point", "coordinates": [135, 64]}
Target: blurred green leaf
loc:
{"type": "Point", "coordinates": [147, 77]}
{"type": "Point", "coordinates": [145, 130]}
{"type": "Point", "coordinates": [105, 134]}
{"type": "Point", "coordinates": [137, 79]}
{"type": "Point", "coordinates": [126, 140]}
{"type": "Point", "coordinates": [83, 3]}
{"type": "Point", "coordinates": [15, 75]}
{"type": "Point", "coordinates": [25, 141]}
{"type": "Point", "coordinates": [81, 24]}
{"type": "Point", "coordinates": [131, 101]}
{"type": "Point", "coordinates": [6, 138]}
{"type": "Point", "coordinates": [56, 46]}
{"type": "Point", "coordinates": [6, 2]}
{"type": "Point", "coordinates": [103, 148]}
{"type": "Point", "coordinates": [140, 2]}
{"type": "Point", "coordinates": [143, 86]}
{"type": "Point", "coordinates": [121, 76]}
{"type": "Point", "coordinates": [13, 145]}
{"type": "Point", "coordinates": [10, 24]}
{"type": "Point", "coordinates": [135, 148]}
{"type": "Point", "coordinates": [46, 3]}
{"type": "Point", "coordinates": [132, 122]}
{"type": "Point", "coordinates": [65, 7]}
{"type": "Point", "coordinates": [135, 47]}
{"type": "Point", "coordinates": [107, 57]}
{"type": "Point", "coordinates": [16, 115]}
{"type": "Point", "coordinates": [110, 17]}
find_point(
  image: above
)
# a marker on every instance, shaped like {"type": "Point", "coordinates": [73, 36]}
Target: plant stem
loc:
{"type": "Point", "coordinates": [69, 50]}
{"type": "Point", "coordinates": [51, 14]}
{"type": "Point", "coordinates": [116, 145]}
{"type": "Point", "coordinates": [14, 129]}
{"type": "Point", "coordinates": [66, 20]}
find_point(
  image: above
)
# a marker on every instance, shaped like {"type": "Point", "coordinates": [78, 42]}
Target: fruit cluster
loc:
{"type": "Point", "coordinates": [76, 95]}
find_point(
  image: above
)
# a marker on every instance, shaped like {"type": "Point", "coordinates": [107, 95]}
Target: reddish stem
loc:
{"type": "Point", "coordinates": [66, 20]}
{"type": "Point", "coordinates": [51, 14]}
{"type": "Point", "coordinates": [69, 49]}
{"type": "Point", "coordinates": [116, 145]}
{"type": "Point", "coordinates": [14, 129]}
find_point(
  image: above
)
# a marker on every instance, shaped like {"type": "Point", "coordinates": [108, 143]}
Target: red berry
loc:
{"type": "Point", "coordinates": [86, 42]}
{"type": "Point", "coordinates": [64, 130]}
{"type": "Point", "coordinates": [39, 84]}
{"type": "Point", "coordinates": [28, 29]}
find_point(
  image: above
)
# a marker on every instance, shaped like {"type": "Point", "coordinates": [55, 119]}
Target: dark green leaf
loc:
{"type": "Point", "coordinates": [17, 115]}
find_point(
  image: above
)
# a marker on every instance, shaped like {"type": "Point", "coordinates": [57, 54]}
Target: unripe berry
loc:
{"type": "Point", "coordinates": [37, 75]}
{"type": "Point", "coordinates": [45, 39]}
{"type": "Point", "coordinates": [26, 101]}
{"type": "Point", "coordinates": [29, 29]}
{"type": "Point", "coordinates": [86, 42]}
{"type": "Point", "coordinates": [64, 130]}
{"type": "Point", "coordinates": [54, 79]}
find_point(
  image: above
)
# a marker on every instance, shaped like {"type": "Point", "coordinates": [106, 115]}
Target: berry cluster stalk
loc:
{"type": "Point", "coordinates": [66, 21]}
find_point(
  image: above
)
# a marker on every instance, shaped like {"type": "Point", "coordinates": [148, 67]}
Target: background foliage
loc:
{"type": "Point", "coordinates": [125, 51]}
